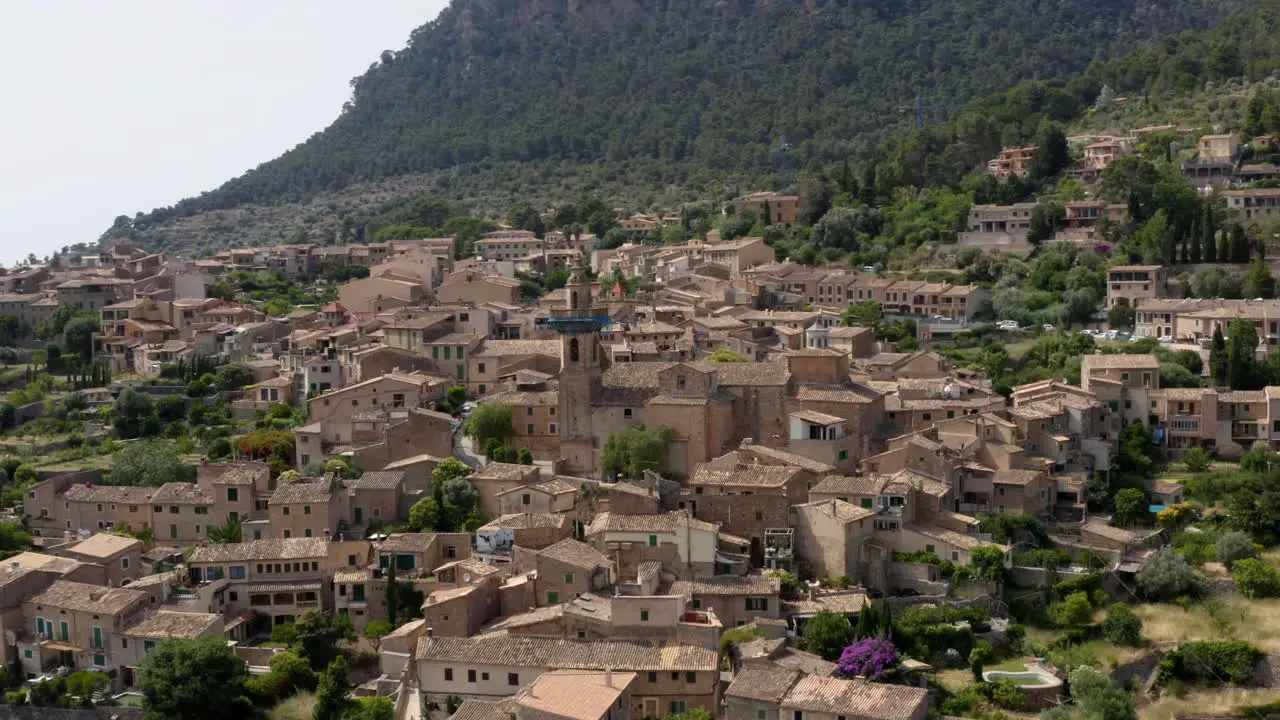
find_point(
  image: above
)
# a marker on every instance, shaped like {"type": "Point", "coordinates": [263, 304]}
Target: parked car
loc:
{"type": "Point", "coordinates": [1007, 325]}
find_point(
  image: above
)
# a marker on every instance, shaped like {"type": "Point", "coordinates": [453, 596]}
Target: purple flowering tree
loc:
{"type": "Point", "coordinates": [869, 657]}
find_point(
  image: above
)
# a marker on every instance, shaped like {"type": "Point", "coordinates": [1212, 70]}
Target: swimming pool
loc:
{"type": "Point", "coordinates": [1024, 679]}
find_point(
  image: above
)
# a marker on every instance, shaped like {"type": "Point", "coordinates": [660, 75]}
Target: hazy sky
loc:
{"type": "Point", "coordinates": [114, 106]}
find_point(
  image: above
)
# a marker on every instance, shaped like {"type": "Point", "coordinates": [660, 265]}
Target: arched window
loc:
{"type": "Point", "coordinates": [573, 300]}
{"type": "Point", "coordinates": [573, 349]}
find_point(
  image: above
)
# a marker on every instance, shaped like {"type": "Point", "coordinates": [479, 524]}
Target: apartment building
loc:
{"type": "Point", "coordinates": [1128, 285]}
{"type": "Point", "coordinates": [310, 507]}
{"type": "Point", "coordinates": [738, 255]}
{"type": "Point", "coordinates": [672, 678]}
{"type": "Point", "coordinates": [276, 578]}
{"type": "Point", "coordinates": [570, 569]}
{"type": "Point", "coordinates": [766, 691]}
{"type": "Point", "coordinates": [77, 625]}
{"type": "Point", "coordinates": [736, 600]}
{"type": "Point", "coordinates": [1123, 382]}
{"type": "Point", "coordinates": [1011, 161]}
{"type": "Point", "coordinates": [473, 286]}
{"type": "Point", "coordinates": [140, 638]}
{"type": "Point", "coordinates": [1252, 203]}
{"type": "Point", "coordinates": [770, 208]}
{"type": "Point", "coordinates": [746, 491]}
{"type": "Point", "coordinates": [684, 546]}
{"type": "Point", "coordinates": [119, 556]}
{"type": "Point", "coordinates": [998, 226]}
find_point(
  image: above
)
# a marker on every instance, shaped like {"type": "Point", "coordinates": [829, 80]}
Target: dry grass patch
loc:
{"type": "Point", "coordinates": [1229, 618]}
{"type": "Point", "coordinates": [1206, 702]}
{"type": "Point", "coordinates": [299, 707]}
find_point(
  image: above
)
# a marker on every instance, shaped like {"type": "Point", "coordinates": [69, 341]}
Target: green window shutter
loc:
{"type": "Point", "coordinates": [653, 541]}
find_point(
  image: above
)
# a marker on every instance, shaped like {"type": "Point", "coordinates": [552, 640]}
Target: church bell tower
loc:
{"type": "Point", "coordinates": [581, 362]}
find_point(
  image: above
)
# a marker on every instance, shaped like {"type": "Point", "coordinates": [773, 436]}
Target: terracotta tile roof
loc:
{"type": "Point", "coordinates": [509, 348]}
{"type": "Point", "coordinates": [763, 681]}
{"type": "Point", "coordinates": [839, 510]}
{"type": "Point", "coordinates": [743, 474]}
{"type": "Point", "coordinates": [837, 696]}
{"type": "Point", "coordinates": [407, 542]}
{"type": "Point", "coordinates": [180, 493]}
{"type": "Point", "coordinates": [788, 458]}
{"type": "Point", "coordinates": [1017, 477]}
{"type": "Point", "coordinates": [836, 393]}
{"type": "Point", "coordinates": [305, 490]}
{"type": "Point", "coordinates": [951, 537]}
{"type": "Point", "coordinates": [1143, 362]}
{"type": "Point", "coordinates": [728, 585]}
{"type": "Point", "coordinates": [104, 545]}
{"type": "Point", "coordinates": [472, 709]}
{"type": "Point", "coordinates": [847, 485]}
{"type": "Point", "coordinates": [82, 597]}
{"type": "Point", "coordinates": [265, 549]}
{"type": "Point", "coordinates": [109, 493]}
{"type": "Point", "coordinates": [378, 480]}
{"type": "Point", "coordinates": [502, 471]}
{"type": "Point", "coordinates": [575, 553]}
{"type": "Point", "coordinates": [657, 523]}
{"type": "Point", "coordinates": [575, 694]}
{"type": "Point", "coordinates": [818, 418]}
{"type": "Point", "coordinates": [524, 521]}
{"type": "Point", "coordinates": [567, 654]}
{"type": "Point", "coordinates": [167, 624]}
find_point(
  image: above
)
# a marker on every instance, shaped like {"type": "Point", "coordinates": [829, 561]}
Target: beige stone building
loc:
{"type": "Point", "coordinates": [672, 678]}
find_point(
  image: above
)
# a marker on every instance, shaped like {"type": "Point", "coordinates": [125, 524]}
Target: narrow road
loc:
{"type": "Point", "coordinates": [464, 450]}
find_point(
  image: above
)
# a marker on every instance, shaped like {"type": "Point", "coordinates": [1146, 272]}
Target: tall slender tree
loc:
{"type": "Point", "coordinates": [393, 592]}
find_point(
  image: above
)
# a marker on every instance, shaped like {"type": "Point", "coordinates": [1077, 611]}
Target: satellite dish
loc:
{"type": "Point", "coordinates": [466, 577]}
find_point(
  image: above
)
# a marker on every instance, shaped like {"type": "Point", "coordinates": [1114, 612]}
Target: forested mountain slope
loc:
{"type": "Point", "coordinates": [696, 85]}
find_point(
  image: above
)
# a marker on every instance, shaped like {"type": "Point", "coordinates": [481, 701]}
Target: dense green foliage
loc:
{"type": "Point", "coordinates": [194, 679]}
{"type": "Point", "coordinates": [1210, 663]}
{"type": "Point", "coordinates": [713, 86]}
{"type": "Point", "coordinates": [633, 450]}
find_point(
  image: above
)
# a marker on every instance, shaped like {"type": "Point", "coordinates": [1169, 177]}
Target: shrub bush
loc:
{"type": "Point", "coordinates": [1210, 663]}
{"type": "Point", "coordinates": [1254, 579]}
{"type": "Point", "coordinates": [1122, 626]}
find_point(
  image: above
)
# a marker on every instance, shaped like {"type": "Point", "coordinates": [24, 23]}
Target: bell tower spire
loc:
{"type": "Point", "coordinates": [581, 362]}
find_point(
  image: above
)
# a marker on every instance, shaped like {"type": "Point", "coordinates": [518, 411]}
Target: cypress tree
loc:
{"type": "Point", "coordinates": [1218, 358]}
{"type": "Point", "coordinates": [1196, 232]}
{"type": "Point", "coordinates": [868, 623]}
{"type": "Point", "coordinates": [392, 591]}
{"type": "Point", "coordinates": [886, 620]}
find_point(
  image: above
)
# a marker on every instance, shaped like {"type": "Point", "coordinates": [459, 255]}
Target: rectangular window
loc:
{"type": "Point", "coordinates": [653, 677]}
{"type": "Point", "coordinates": [460, 347]}
{"type": "Point", "coordinates": [551, 429]}
{"type": "Point", "coordinates": [553, 598]}
{"type": "Point", "coordinates": [678, 707]}
{"type": "Point", "coordinates": [757, 604]}
{"type": "Point", "coordinates": [173, 531]}
{"type": "Point", "coordinates": [173, 509]}
{"type": "Point", "coordinates": [448, 674]}
{"type": "Point", "coordinates": [237, 572]}
{"type": "Point", "coordinates": [529, 429]}
{"type": "Point", "coordinates": [690, 677]}
{"type": "Point", "coordinates": [928, 548]}
{"type": "Point", "coordinates": [568, 578]}
{"type": "Point", "coordinates": [653, 541]}
{"type": "Point", "coordinates": [306, 509]}
{"type": "Point", "coordinates": [233, 494]}
{"type": "Point", "coordinates": [202, 510]}
{"type": "Point", "coordinates": [644, 616]}
{"type": "Point", "coordinates": [865, 502]}
{"type": "Point", "coordinates": [471, 674]}
{"type": "Point", "coordinates": [285, 510]}
{"type": "Point", "coordinates": [124, 563]}
{"type": "Point", "coordinates": [64, 631]}
{"type": "Point", "coordinates": [446, 352]}
{"type": "Point", "coordinates": [513, 679]}
{"type": "Point", "coordinates": [99, 660]}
